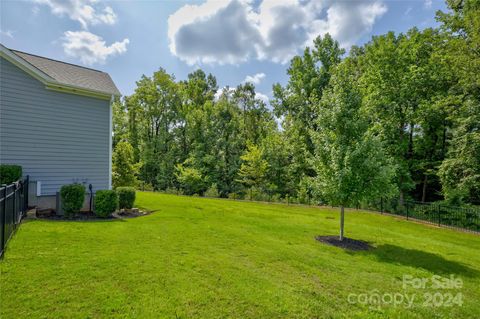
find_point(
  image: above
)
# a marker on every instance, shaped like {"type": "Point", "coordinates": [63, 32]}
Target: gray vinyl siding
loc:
{"type": "Point", "coordinates": [58, 138]}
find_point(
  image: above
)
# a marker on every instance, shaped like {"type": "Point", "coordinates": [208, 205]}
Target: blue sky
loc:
{"type": "Point", "coordinates": [231, 39]}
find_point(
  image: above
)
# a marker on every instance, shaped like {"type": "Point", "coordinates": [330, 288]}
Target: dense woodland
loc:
{"type": "Point", "coordinates": [398, 116]}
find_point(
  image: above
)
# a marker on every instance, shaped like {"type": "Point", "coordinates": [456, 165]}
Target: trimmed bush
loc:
{"type": "Point", "coordinates": [106, 202]}
{"type": "Point", "coordinates": [10, 173]}
{"type": "Point", "coordinates": [126, 197]}
{"type": "Point", "coordinates": [72, 196]}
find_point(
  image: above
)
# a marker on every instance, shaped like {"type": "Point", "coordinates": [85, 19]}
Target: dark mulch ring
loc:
{"type": "Point", "coordinates": [86, 216]}
{"type": "Point", "coordinates": [126, 213]}
{"type": "Point", "coordinates": [82, 216]}
{"type": "Point", "coordinates": [346, 243]}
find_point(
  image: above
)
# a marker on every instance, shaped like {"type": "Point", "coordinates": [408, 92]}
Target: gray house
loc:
{"type": "Point", "coordinates": [56, 122]}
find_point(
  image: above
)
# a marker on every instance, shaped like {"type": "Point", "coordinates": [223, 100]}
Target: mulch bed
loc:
{"type": "Point", "coordinates": [346, 243]}
{"type": "Point", "coordinates": [130, 214]}
{"type": "Point", "coordinates": [90, 216]}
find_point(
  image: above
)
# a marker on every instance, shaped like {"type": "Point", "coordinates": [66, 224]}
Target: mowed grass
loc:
{"type": "Point", "coordinates": [207, 258]}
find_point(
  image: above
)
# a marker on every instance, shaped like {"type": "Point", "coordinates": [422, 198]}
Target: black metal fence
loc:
{"type": "Point", "coordinates": [13, 206]}
{"type": "Point", "coordinates": [467, 218]}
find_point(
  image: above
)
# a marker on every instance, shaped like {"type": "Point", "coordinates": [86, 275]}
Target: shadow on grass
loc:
{"type": "Point", "coordinates": [420, 259]}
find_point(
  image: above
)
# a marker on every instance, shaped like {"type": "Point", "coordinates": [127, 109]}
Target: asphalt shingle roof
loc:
{"type": "Point", "coordinates": [71, 74]}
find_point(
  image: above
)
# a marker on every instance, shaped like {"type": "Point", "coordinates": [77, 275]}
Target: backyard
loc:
{"type": "Point", "coordinates": [210, 258]}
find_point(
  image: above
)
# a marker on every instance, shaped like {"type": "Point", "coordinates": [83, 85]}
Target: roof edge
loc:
{"type": "Point", "coordinates": [55, 60]}
{"type": "Point", "coordinates": [51, 83]}
{"type": "Point", "coordinates": [24, 65]}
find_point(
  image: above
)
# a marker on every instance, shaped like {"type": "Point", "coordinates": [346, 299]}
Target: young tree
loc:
{"type": "Point", "coordinates": [254, 168]}
{"type": "Point", "coordinates": [190, 179]}
{"type": "Point", "coordinates": [123, 167]}
{"type": "Point", "coordinates": [281, 173]}
{"type": "Point", "coordinates": [350, 162]}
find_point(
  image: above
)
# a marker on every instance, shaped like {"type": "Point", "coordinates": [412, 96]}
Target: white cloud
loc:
{"type": "Point", "coordinates": [428, 4]}
{"type": "Point", "coordinates": [255, 79]}
{"type": "Point", "coordinates": [233, 31]}
{"type": "Point", "coordinates": [229, 91]}
{"type": "Point", "coordinates": [86, 12]}
{"type": "Point", "coordinates": [262, 97]}
{"type": "Point", "coordinates": [90, 48]}
{"type": "Point", "coordinates": [7, 33]}
{"type": "Point", "coordinates": [224, 90]}
{"type": "Point", "coordinates": [347, 21]}
{"type": "Point", "coordinates": [213, 32]}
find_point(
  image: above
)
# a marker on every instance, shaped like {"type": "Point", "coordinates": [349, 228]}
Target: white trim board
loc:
{"type": "Point", "coordinates": [110, 127]}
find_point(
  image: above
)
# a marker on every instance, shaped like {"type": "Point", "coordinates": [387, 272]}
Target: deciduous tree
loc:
{"type": "Point", "coordinates": [350, 162]}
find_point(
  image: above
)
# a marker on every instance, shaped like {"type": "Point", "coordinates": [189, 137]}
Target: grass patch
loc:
{"type": "Point", "coordinates": [208, 258]}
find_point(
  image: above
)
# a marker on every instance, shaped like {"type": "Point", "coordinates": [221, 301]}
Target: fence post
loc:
{"type": "Point", "coordinates": [14, 209]}
{"type": "Point", "coordinates": [439, 216]}
{"type": "Point", "coordinates": [21, 197]}
{"type": "Point", "coordinates": [406, 206]}
{"type": "Point", "coordinates": [26, 186]}
{"type": "Point", "coordinates": [2, 220]}
{"type": "Point", "coordinates": [381, 205]}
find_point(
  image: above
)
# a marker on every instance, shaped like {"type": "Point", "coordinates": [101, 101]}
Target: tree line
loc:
{"type": "Point", "coordinates": [398, 118]}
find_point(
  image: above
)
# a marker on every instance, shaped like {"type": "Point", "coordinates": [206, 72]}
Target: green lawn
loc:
{"type": "Point", "coordinates": [207, 258]}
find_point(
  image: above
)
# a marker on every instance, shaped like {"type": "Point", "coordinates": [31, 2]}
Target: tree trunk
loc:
{"type": "Point", "coordinates": [424, 190]}
{"type": "Point", "coordinates": [342, 219]}
{"type": "Point", "coordinates": [444, 140]}
{"type": "Point", "coordinates": [410, 142]}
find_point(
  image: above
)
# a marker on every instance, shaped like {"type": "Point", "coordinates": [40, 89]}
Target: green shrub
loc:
{"type": "Point", "coordinates": [255, 193]}
{"type": "Point", "coordinates": [106, 202]}
{"type": "Point", "coordinates": [235, 196]}
{"type": "Point", "coordinates": [212, 191]}
{"type": "Point", "coordinates": [146, 187]}
{"type": "Point", "coordinates": [72, 196]}
{"type": "Point", "coordinates": [10, 173]}
{"type": "Point", "coordinates": [190, 179]}
{"type": "Point", "coordinates": [294, 200]}
{"type": "Point", "coordinates": [172, 190]}
{"type": "Point", "coordinates": [126, 197]}
{"type": "Point", "coordinates": [276, 198]}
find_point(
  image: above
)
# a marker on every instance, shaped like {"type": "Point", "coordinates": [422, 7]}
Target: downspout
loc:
{"type": "Point", "coordinates": [90, 188]}
{"type": "Point", "coordinates": [110, 143]}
